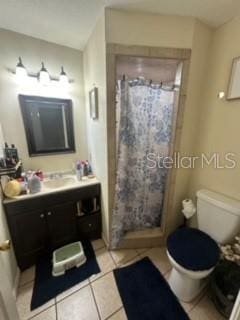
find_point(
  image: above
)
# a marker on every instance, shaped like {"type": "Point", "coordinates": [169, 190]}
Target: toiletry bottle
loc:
{"type": "Point", "coordinates": [39, 173]}
{"type": "Point", "coordinates": [11, 155]}
{"type": "Point", "coordinates": [25, 181]}
{"type": "Point", "coordinates": [90, 172]}
{"type": "Point", "coordinates": [14, 153]}
{"type": "Point", "coordinates": [34, 184]}
{"type": "Point", "coordinates": [79, 170]}
{"type": "Point", "coordinates": [85, 169]}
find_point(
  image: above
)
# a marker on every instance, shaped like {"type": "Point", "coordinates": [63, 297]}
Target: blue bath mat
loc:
{"type": "Point", "coordinates": [145, 293]}
{"type": "Point", "coordinates": [47, 287]}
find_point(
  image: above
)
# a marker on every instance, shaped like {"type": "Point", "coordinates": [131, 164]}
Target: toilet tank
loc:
{"type": "Point", "coordinates": [218, 215]}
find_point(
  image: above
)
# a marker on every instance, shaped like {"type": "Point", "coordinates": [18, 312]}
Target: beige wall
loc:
{"type": "Point", "coordinates": [201, 44]}
{"type": "Point", "coordinates": [131, 28]}
{"type": "Point", "coordinates": [219, 129]}
{"type": "Point", "coordinates": [147, 29]}
{"type": "Point", "coordinates": [33, 51]}
{"type": "Point", "coordinates": [95, 75]}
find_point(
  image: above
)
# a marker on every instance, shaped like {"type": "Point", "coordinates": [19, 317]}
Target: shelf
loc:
{"type": "Point", "coordinates": [10, 171]}
{"type": "Point", "coordinates": [88, 214]}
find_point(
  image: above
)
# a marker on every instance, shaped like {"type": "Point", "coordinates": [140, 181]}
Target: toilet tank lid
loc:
{"type": "Point", "coordinates": [219, 200]}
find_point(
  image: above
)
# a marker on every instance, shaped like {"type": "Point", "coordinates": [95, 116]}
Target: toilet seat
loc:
{"type": "Point", "coordinates": [193, 249]}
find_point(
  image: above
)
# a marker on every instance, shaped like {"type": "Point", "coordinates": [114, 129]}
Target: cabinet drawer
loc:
{"type": "Point", "coordinates": [89, 226]}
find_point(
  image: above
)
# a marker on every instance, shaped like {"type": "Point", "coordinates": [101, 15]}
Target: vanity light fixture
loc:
{"type": "Point", "coordinates": [63, 78]}
{"type": "Point", "coordinates": [44, 77]}
{"type": "Point", "coordinates": [21, 72]}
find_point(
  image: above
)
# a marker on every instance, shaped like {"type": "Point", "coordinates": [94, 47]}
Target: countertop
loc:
{"type": "Point", "coordinates": [45, 191]}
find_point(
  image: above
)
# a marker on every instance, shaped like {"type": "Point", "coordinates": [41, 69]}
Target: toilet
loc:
{"type": "Point", "coordinates": [194, 253]}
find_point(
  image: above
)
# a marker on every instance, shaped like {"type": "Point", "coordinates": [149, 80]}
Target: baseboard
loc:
{"type": "Point", "coordinates": [147, 238]}
{"type": "Point", "coordinates": [105, 240]}
{"type": "Point", "coordinates": [16, 283]}
{"type": "Point", "coordinates": [142, 243]}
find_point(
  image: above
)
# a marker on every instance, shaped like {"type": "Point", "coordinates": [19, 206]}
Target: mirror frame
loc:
{"type": "Point", "coordinates": [25, 109]}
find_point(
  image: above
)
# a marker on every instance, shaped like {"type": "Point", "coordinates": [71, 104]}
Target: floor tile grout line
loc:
{"type": "Point", "coordinates": [38, 313]}
{"type": "Point", "coordinates": [95, 301]}
{"type": "Point", "coordinates": [99, 248]}
{"type": "Point", "coordinates": [198, 301]}
{"type": "Point", "coordinates": [119, 265]}
{"type": "Point", "coordinates": [25, 284]}
{"type": "Point", "coordinates": [70, 294]}
{"type": "Point", "coordinates": [100, 277]}
{"type": "Point", "coordinates": [56, 310]}
{"type": "Point", "coordinates": [56, 302]}
{"type": "Point", "coordinates": [143, 252]}
{"type": "Point", "coordinates": [112, 314]}
{"type": "Point", "coordinates": [114, 262]}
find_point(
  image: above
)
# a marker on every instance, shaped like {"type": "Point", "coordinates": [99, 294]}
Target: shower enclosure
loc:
{"type": "Point", "coordinates": [146, 108]}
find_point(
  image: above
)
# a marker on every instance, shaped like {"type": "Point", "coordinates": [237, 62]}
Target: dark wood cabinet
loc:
{"type": "Point", "coordinates": [62, 224]}
{"type": "Point", "coordinates": [29, 231]}
{"type": "Point", "coordinates": [56, 222]}
{"type": "Point", "coordinates": [89, 225]}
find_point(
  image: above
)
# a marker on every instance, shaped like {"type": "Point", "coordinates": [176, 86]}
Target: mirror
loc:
{"type": "Point", "coordinates": [48, 125]}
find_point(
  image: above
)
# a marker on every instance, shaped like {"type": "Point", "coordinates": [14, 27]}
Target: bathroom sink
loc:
{"type": "Point", "coordinates": [58, 182]}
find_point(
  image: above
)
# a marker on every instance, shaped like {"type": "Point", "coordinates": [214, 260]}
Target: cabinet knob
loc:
{"type": "Point", "coordinates": [90, 225]}
{"type": "Point", "coordinates": [41, 215]}
{"type": "Point", "coordinates": [5, 245]}
{"type": "Point", "coordinates": [49, 213]}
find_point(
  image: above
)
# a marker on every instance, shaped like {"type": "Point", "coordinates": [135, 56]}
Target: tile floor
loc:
{"type": "Point", "coordinates": [97, 298]}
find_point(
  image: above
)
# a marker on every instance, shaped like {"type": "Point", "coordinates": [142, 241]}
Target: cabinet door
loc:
{"type": "Point", "coordinates": [62, 225]}
{"type": "Point", "coordinates": [89, 226]}
{"type": "Point", "coordinates": [29, 236]}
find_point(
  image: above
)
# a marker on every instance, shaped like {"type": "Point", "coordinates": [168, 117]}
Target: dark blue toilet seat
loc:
{"type": "Point", "coordinates": [193, 249]}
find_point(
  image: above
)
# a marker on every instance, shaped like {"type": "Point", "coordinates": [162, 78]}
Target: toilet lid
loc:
{"type": "Point", "coordinates": [193, 249]}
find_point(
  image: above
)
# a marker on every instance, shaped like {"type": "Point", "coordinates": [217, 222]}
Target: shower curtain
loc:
{"type": "Point", "coordinates": [143, 137]}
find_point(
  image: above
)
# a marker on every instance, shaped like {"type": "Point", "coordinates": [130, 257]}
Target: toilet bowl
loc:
{"type": "Point", "coordinates": [193, 256]}
{"type": "Point", "coordinates": [194, 253]}
{"type": "Point", "coordinates": [187, 284]}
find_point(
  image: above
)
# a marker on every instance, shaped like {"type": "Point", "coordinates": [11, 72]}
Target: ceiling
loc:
{"type": "Point", "coordinates": [70, 22]}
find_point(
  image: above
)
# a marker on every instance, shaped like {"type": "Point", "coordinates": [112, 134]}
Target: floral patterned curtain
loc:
{"type": "Point", "coordinates": [144, 133]}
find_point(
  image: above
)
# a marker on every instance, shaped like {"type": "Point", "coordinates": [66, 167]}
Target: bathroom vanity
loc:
{"type": "Point", "coordinates": [42, 222]}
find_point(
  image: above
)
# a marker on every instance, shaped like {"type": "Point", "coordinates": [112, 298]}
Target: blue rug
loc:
{"type": "Point", "coordinates": [145, 293]}
{"type": "Point", "coordinates": [47, 287]}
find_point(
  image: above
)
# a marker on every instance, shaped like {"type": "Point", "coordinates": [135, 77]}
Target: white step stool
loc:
{"type": "Point", "coordinates": [67, 257]}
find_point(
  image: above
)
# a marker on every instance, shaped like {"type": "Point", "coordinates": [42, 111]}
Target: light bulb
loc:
{"type": "Point", "coordinates": [63, 78]}
{"type": "Point", "coordinates": [44, 77]}
{"type": "Point", "coordinates": [21, 72]}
